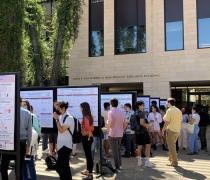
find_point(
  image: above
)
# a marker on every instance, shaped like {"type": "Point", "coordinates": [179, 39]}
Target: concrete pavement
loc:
{"type": "Point", "coordinates": [190, 167]}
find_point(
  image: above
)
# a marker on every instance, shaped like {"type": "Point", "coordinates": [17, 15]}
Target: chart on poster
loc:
{"type": "Point", "coordinates": [42, 102]}
{"type": "Point", "coordinates": [7, 112]}
{"type": "Point", "coordinates": [122, 99]}
{"type": "Point", "coordinates": [77, 95]}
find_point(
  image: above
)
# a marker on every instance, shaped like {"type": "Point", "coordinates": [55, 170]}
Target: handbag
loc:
{"type": "Point", "coordinates": [190, 128]}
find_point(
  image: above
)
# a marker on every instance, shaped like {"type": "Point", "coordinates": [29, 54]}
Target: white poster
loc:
{"type": "Point", "coordinates": [157, 101]}
{"type": "Point", "coordinates": [42, 102]}
{"type": "Point", "coordinates": [146, 100]}
{"type": "Point", "coordinates": [7, 112]}
{"type": "Point", "coordinates": [163, 102]}
{"type": "Point", "coordinates": [75, 96]}
{"type": "Point", "coordinates": [122, 99]}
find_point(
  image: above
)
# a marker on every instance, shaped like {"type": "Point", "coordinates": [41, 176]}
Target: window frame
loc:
{"type": "Point", "coordinates": [198, 28]}
{"type": "Point", "coordinates": [115, 30]}
{"type": "Point", "coordinates": [165, 45]}
{"type": "Point", "coordinates": [89, 29]}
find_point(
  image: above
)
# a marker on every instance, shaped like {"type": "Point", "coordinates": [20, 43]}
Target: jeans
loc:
{"type": "Point", "coordinates": [95, 144]}
{"type": "Point", "coordinates": [193, 140]}
{"type": "Point", "coordinates": [87, 143]}
{"type": "Point", "coordinates": [44, 141]}
{"type": "Point", "coordinates": [202, 135]}
{"type": "Point", "coordinates": [62, 164]}
{"type": "Point", "coordinates": [29, 171]}
{"type": "Point", "coordinates": [7, 158]}
{"type": "Point", "coordinates": [129, 144]}
{"type": "Point", "coordinates": [115, 143]}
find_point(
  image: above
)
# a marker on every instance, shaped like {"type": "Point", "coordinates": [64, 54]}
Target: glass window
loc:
{"type": "Point", "coordinates": [174, 39]}
{"type": "Point", "coordinates": [96, 28]}
{"type": "Point", "coordinates": [203, 15]}
{"type": "Point", "coordinates": [204, 32]}
{"type": "Point", "coordinates": [174, 35]}
{"type": "Point", "coordinates": [96, 43]}
{"type": "Point", "coordinates": [130, 26]}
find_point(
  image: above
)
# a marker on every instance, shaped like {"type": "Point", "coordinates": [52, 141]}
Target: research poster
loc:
{"type": "Point", "coordinates": [122, 99]}
{"type": "Point", "coordinates": [163, 102]}
{"type": "Point", "coordinates": [77, 95]}
{"type": "Point", "coordinates": [146, 100]}
{"type": "Point", "coordinates": [42, 102]}
{"type": "Point", "coordinates": [7, 112]}
{"type": "Point", "coordinates": [155, 99]}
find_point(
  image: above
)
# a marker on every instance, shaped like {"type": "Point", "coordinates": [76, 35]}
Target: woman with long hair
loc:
{"type": "Point", "coordinates": [87, 138]}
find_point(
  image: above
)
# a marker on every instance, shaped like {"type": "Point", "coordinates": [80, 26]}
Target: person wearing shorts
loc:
{"type": "Point", "coordinates": [53, 143]}
{"type": "Point", "coordinates": [142, 136]}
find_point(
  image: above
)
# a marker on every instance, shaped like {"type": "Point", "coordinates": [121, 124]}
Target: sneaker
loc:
{"type": "Point", "coordinates": [149, 164]}
{"type": "Point", "coordinates": [140, 163]}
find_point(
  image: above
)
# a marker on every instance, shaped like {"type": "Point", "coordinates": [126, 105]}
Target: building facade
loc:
{"type": "Point", "coordinates": [148, 45]}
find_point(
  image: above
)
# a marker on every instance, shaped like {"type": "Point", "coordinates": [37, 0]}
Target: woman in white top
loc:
{"type": "Point", "coordinates": [183, 134]}
{"type": "Point", "coordinates": [155, 118]}
{"type": "Point", "coordinates": [194, 120]}
{"type": "Point", "coordinates": [65, 125]}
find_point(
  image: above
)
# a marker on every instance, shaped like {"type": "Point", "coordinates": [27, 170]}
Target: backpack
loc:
{"type": "Point", "coordinates": [77, 135]}
{"type": "Point", "coordinates": [35, 124]}
{"type": "Point", "coordinates": [135, 125]}
{"type": "Point", "coordinates": [105, 167]}
{"type": "Point", "coordinates": [50, 162]}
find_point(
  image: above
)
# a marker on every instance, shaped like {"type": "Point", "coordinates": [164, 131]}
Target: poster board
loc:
{"type": "Point", "coordinates": [77, 95]}
{"type": "Point", "coordinates": [146, 100]}
{"type": "Point", "coordinates": [163, 102]}
{"type": "Point", "coordinates": [157, 99]}
{"type": "Point", "coordinates": [42, 102]}
{"type": "Point", "coordinates": [127, 97]}
{"type": "Point", "coordinates": [8, 111]}
{"type": "Point", "coordinates": [10, 126]}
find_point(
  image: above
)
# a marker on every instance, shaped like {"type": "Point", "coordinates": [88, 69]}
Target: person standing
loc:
{"type": "Point", "coordinates": [65, 125]}
{"type": "Point", "coordinates": [106, 143]}
{"type": "Point", "coordinates": [129, 134]}
{"type": "Point", "coordinates": [193, 138]}
{"type": "Point", "coordinates": [155, 119]}
{"type": "Point", "coordinates": [204, 119]}
{"type": "Point", "coordinates": [25, 140]}
{"type": "Point", "coordinates": [87, 138]}
{"type": "Point", "coordinates": [172, 126]}
{"type": "Point", "coordinates": [117, 125]}
{"type": "Point", "coordinates": [142, 136]}
{"type": "Point", "coordinates": [183, 135]}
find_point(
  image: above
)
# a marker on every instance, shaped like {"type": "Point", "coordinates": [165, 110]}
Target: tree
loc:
{"type": "Point", "coordinates": [65, 32]}
{"type": "Point", "coordinates": [11, 25]}
{"type": "Point", "coordinates": [34, 26]}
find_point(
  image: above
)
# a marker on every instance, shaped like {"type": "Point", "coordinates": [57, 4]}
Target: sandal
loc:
{"type": "Point", "coordinates": [85, 173]}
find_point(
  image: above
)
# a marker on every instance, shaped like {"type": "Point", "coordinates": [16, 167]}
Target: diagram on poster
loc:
{"type": "Point", "coordinates": [42, 102]}
{"type": "Point", "coordinates": [75, 96]}
{"type": "Point", "coordinates": [146, 100]}
{"type": "Point", "coordinates": [7, 112]}
{"type": "Point", "coordinates": [122, 99]}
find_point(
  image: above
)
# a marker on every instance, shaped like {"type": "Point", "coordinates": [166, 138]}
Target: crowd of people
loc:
{"type": "Point", "coordinates": [140, 133]}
